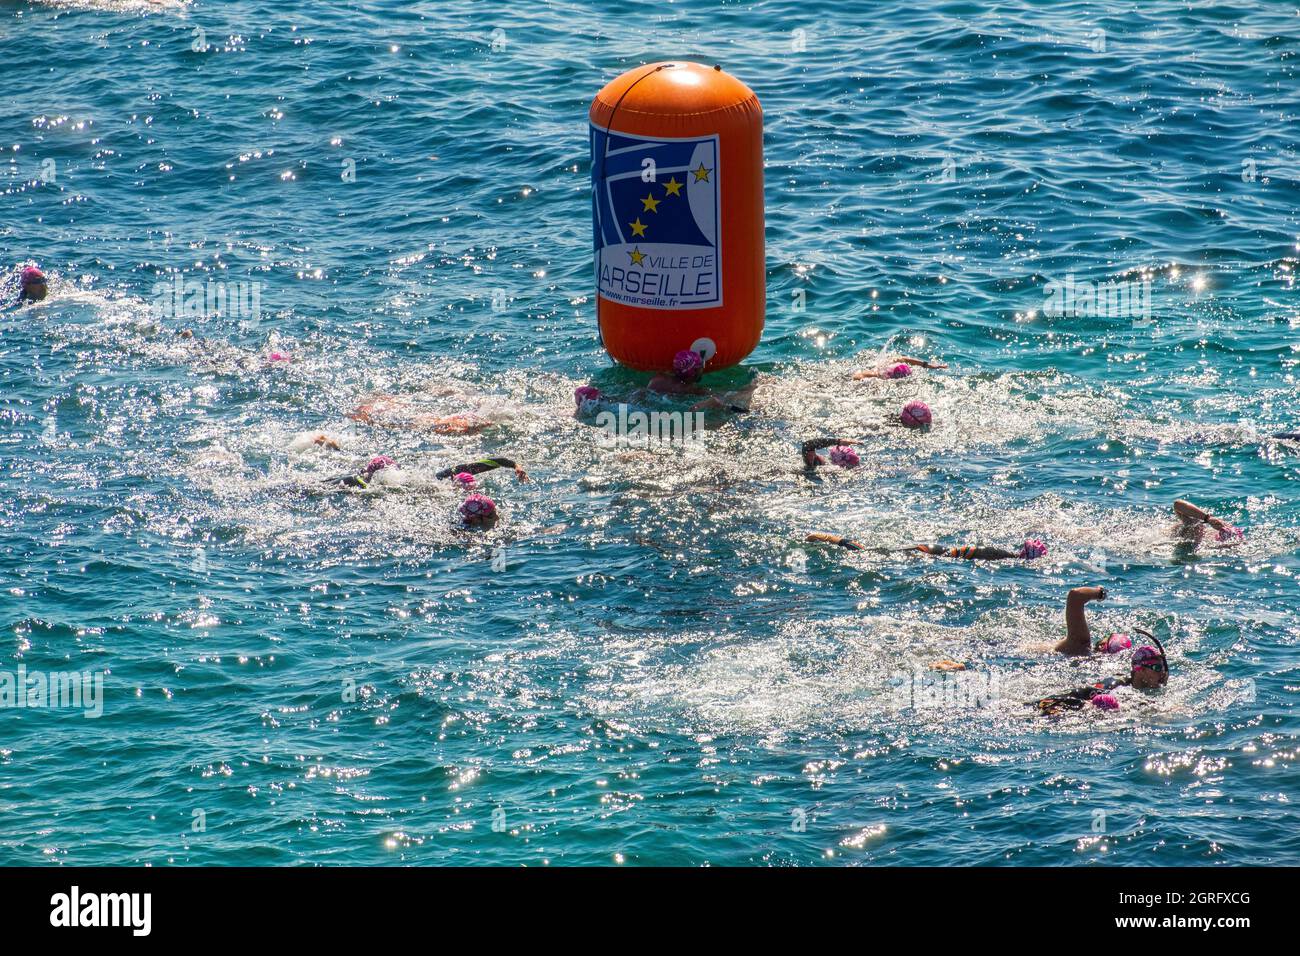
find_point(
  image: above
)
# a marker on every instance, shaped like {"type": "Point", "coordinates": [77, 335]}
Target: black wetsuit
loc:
{"type": "Point", "coordinates": [969, 553]}
{"type": "Point", "coordinates": [361, 480]}
{"type": "Point", "coordinates": [1080, 696]}
{"type": "Point", "coordinates": [477, 467]}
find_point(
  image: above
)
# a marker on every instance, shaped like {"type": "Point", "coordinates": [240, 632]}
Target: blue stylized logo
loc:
{"type": "Point", "coordinates": [655, 215]}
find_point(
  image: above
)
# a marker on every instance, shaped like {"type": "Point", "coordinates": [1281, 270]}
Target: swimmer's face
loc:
{"type": "Point", "coordinates": [35, 290]}
{"type": "Point", "coordinates": [1145, 678]}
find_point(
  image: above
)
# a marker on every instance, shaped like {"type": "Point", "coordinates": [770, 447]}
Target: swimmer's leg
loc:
{"type": "Point", "coordinates": [1078, 639]}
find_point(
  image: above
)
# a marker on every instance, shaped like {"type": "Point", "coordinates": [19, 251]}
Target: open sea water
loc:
{"type": "Point", "coordinates": [645, 663]}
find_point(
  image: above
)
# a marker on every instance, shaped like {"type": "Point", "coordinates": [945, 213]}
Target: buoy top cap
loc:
{"type": "Point", "coordinates": [675, 87]}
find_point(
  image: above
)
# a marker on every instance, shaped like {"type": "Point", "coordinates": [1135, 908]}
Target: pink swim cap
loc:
{"type": "Point", "coordinates": [379, 463]}
{"type": "Point", "coordinates": [1032, 548]}
{"type": "Point", "coordinates": [1105, 702]}
{"type": "Point", "coordinates": [279, 357]}
{"type": "Point", "coordinates": [585, 393]}
{"type": "Point", "coordinates": [464, 479]}
{"type": "Point", "coordinates": [687, 365]}
{"type": "Point", "coordinates": [478, 509]}
{"type": "Point", "coordinates": [844, 456]}
{"type": "Point", "coordinates": [901, 370]}
{"type": "Point", "coordinates": [1230, 533]}
{"type": "Point", "coordinates": [1115, 643]}
{"type": "Point", "coordinates": [916, 415]}
{"type": "Point", "coordinates": [1150, 658]}
{"type": "Point", "coordinates": [31, 274]}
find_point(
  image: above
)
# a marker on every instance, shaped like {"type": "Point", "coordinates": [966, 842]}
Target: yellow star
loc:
{"type": "Point", "coordinates": [650, 203]}
{"type": "Point", "coordinates": [637, 255]}
{"type": "Point", "coordinates": [638, 229]}
{"type": "Point", "coordinates": [701, 174]}
{"type": "Point", "coordinates": [672, 188]}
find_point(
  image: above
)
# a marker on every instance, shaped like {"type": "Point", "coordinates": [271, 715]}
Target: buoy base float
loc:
{"type": "Point", "coordinates": [677, 210]}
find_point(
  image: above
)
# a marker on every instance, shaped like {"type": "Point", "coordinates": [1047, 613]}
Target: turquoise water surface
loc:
{"type": "Point", "coordinates": [644, 663]}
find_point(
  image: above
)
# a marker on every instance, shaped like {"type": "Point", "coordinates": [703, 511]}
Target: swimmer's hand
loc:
{"type": "Point", "coordinates": [520, 474]}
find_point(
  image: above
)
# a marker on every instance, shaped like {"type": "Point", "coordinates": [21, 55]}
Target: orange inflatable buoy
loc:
{"type": "Point", "coordinates": [677, 206]}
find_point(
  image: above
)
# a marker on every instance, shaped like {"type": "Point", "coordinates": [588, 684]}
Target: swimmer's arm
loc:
{"type": "Point", "coordinates": [482, 465]}
{"type": "Point", "coordinates": [1189, 512]}
{"type": "Point", "coordinates": [1075, 699]}
{"type": "Point", "coordinates": [1051, 705]}
{"type": "Point", "coordinates": [1078, 639]}
{"type": "Point", "coordinates": [920, 362]}
{"type": "Point", "coordinates": [842, 541]}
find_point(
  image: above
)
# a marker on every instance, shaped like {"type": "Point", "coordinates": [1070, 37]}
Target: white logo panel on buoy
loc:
{"type": "Point", "coordinates": [656, 217]}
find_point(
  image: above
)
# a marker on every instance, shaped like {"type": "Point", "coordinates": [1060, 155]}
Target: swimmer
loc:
{"type": "Point", "coordinates": [842, 453]}
{"type": "Point", "coordinates": [916, 415]}
{"type": "Point", "coordinates": [589, 401]}
{"type": "Point", "coordinates": [946, 665]}
{"type": "Point", "coordinates": [378, 410]}
{"type": "Point", "coordinates": [1031, 549]}
{"type": "Point", "coordinates": [900, 366]}
{"type": "Point", "coordinates": [1192, 522]}
{"type": "Point", "coordinates": [478, 511]}
{"type": "Point", "coordinates": [840, 540]}
{"type": "Point", "coordinates": [32, 286]}
{"type": "Point", "coordinates": [473, 468]}
{"type": "Point", "coordinates": [367, 474]}
{"type": "Point", "coordinates": [1149, 670]}
{"type": "Point", "coordinates": [688, 367]}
